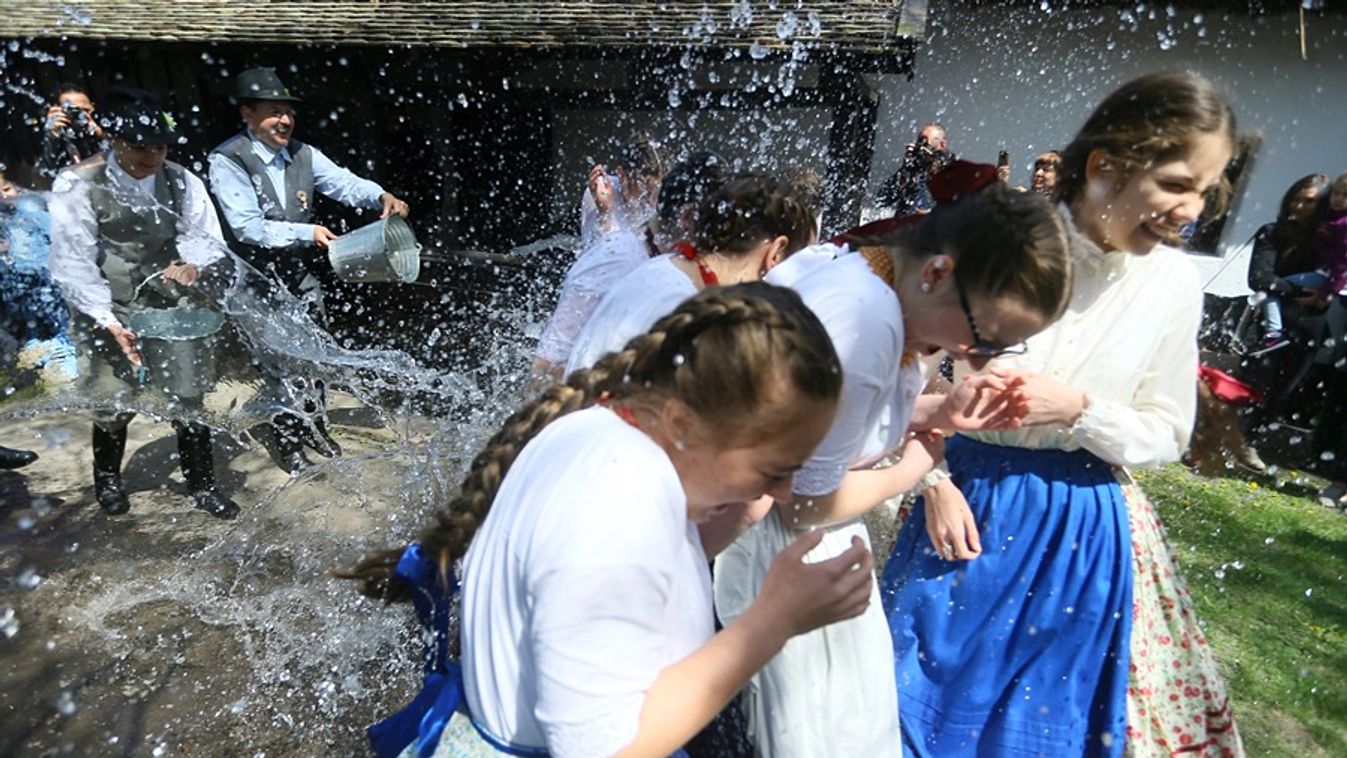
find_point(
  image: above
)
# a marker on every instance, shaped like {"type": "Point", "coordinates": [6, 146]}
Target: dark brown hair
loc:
{"type": "Point", "coordinates": [1005, 243]}
{"type": "Point", "coordinates": [808, 185]}
{"type": "Point", "coordinates": [743, 358]}
{"type": "Point", "coordinates": [751, 208]}
{"type": "Point", "coordinates": [1152, 118]}
{"type": "Point", "coordinates": [1291, 236]}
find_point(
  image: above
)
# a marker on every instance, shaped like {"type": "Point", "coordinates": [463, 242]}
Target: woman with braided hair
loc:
{"type": "Point", "coordinates": [986, 269]}
{"type": "Point", "coordinates": [744, 228]}
{"type": "Point", "coordinates": [586, 597]}
{"type": "Point", "coordinates": [1071, 633]}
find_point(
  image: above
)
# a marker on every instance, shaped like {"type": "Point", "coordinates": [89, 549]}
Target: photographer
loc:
{"type": "Point", "coordinates": [71, 132]}
{"type": "Point", "coordinates": [905, 192]}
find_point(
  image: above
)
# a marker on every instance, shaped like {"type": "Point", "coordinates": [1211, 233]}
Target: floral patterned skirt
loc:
{"type": "Point", "coordinates": [1177, 703]}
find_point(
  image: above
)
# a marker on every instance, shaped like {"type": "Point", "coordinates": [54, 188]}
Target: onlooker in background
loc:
{"type": "Point", "coordinates": [1330, 241]}
{"type": "Point", "coordinates": [31, 307]}
{"type": "Point", "coordinates": [905, 192]}
{"type": "Point", "coordinates": [613, 255]}
{"type": "Point", "coordinates": [120, 220]}
{"type": "Point", "coordinates": [264, 180]}
{"type": "Point", "coordinates": [1282, 250]}
{"type": "Point", "coordinates": [1044, 178]}
{"type": "Point", "coordinates": [625, 199]}
{"type": "Point", "coordinates": [71, 133]}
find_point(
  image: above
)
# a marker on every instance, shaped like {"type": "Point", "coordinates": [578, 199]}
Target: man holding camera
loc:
{"type": "Point", "coordinates": [72, 134]}
{"type": "Point", "coordinates": [906, 190]}
{"type": "Point", "coordinates": [266, 182]}
{"type": "Point", "coordinates": [125, 223]}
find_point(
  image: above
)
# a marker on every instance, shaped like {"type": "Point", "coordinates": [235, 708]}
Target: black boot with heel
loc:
{"type": "Point", "coordinates": [109, 447]}
{"type": "Point", "coordinates": [198, 470]}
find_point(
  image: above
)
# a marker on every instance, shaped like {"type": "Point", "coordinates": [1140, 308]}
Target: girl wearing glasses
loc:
{"type": "Point", "coordinates": [975, 278]}
{"type": "Point", "coordinates": [1027, 649]}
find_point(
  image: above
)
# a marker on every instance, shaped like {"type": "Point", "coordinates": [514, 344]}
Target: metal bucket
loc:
{"type": "Point", "coordinates": [176, 345]}
{"type": "Point", "coordinates": [385, 251]}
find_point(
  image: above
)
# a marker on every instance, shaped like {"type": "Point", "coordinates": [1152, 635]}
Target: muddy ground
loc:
{"type": "Point", "coordinates": [168, 632]}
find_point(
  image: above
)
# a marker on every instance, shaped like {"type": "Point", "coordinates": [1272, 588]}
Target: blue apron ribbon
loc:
{"type": "Point", "coordinates": [423, 720]}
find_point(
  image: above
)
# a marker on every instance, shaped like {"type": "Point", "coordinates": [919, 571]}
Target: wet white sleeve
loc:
{"type": "Point", "coordinates": [597, 620]}
{"type": "Point", "coordinates": [574, 307]}
{"type": "Point", "coordinates": [74, 250]}
{"type": "Point", "coordinates": [597, 637]}
{"type": "Point", "coordinates": [1153, 429]}
{"type": "Point", "coordinates": [200, 240]}
{"type": "Point", "coordinates": [870, 364]}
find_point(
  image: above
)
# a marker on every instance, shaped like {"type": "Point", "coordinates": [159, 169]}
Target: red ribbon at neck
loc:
{"type": "Point", "coordinates": [688, 252]}
{"type": "Point", "coordinates": [622, 412]}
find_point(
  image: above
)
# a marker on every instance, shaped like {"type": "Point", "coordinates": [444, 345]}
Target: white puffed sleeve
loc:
{"type": "Point", "coordinates": [1153, 429]}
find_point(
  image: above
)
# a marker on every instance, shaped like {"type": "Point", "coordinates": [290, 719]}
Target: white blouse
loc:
{"type": "Point", "coordinates": [585, 581]}
{"type": "Point", "coordinates": [599, 266]}
{"type": "Point", "coordinates": [865, 322]}
{"type": "Point", "coordinates": [651, 291]}
{"type": "Point", "coordinates": [1129, 341]}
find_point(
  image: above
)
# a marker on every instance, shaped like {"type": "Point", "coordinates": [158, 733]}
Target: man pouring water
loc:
{"type": "Point", "coordinates": [124, 224]}
{"type": "Point", "coordinates": [265, 182]}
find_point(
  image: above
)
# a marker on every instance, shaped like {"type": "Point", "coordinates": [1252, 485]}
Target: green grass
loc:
{"type": "Point", "coordinates": [1267, 568]}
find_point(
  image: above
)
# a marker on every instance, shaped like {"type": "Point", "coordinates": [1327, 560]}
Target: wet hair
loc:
{"type": "Point", "coordinates": [1005, 244]}
{"type": "Point", "coordinates": [646, 157]}
{"type": "Point", "coordinates": [687, 184]}
{"type": "Point", "coordinates": [808, 186]}
{"type": "Point", "coordinates": [742, 358]}
{"type": "Point", "coordinates": [749, 209]}
{"type": "Point", "coordinates": [65, 88]}
{"type": "Point", "coordinates": [1154, 117]}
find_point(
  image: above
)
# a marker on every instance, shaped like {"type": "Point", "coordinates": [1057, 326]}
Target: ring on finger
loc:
{"type": "Point", "coordinates": [947, 552]}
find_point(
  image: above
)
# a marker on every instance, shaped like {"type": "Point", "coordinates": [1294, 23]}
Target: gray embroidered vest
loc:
{"type": "Point", "coordinates": [297, 205]}
{"type": "Point", "coordinates": [137, 237]}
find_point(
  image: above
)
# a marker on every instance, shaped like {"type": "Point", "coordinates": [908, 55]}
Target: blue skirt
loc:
{"type": "Point", "coordinates": [1023, 651]}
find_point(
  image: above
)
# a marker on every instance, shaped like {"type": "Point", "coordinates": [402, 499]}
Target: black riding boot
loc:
{"type": "Point", "coordinates": [12, 459]}
{"type": "Point", "coordinates": [318, 413]}
{"type": "Point", "coordinates": [109, 447]}
{"type": "Point", "coordinates": [198, 469]}
{"type": "Point", "coordinates": [288, 430]}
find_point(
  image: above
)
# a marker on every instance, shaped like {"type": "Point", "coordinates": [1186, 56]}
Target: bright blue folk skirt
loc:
{"type": "Point", "coordinates": [1024, 650]}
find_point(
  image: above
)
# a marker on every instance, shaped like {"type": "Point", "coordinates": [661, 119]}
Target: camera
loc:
{"type": "Point", "coordinates": [79, 122]}
{"type": "Point", "coordinates": [922, 159]}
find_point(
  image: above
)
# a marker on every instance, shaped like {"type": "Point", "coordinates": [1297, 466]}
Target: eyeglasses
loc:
{"type": "Point", "coordinates": [982, 348]}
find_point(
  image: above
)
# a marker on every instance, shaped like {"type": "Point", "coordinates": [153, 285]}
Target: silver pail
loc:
{"type": "Point", "coordinates": [385, 251]}
{"type": "Point", "coordinates": [176, 345]}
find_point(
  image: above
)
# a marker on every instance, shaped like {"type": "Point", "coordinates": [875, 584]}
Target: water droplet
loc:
{"type": "Point", "coordinates": [65, 704]}
{"type": "Point", "coordinates": [757, 51]}
{"type": "Point", "coordinates": [9, 623]}
{"type": "Point", "coordinates": [28, 579]}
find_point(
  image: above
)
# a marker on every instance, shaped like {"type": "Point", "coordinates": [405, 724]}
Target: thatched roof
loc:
{"type": "Point", "coordinates": [866, 27]}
